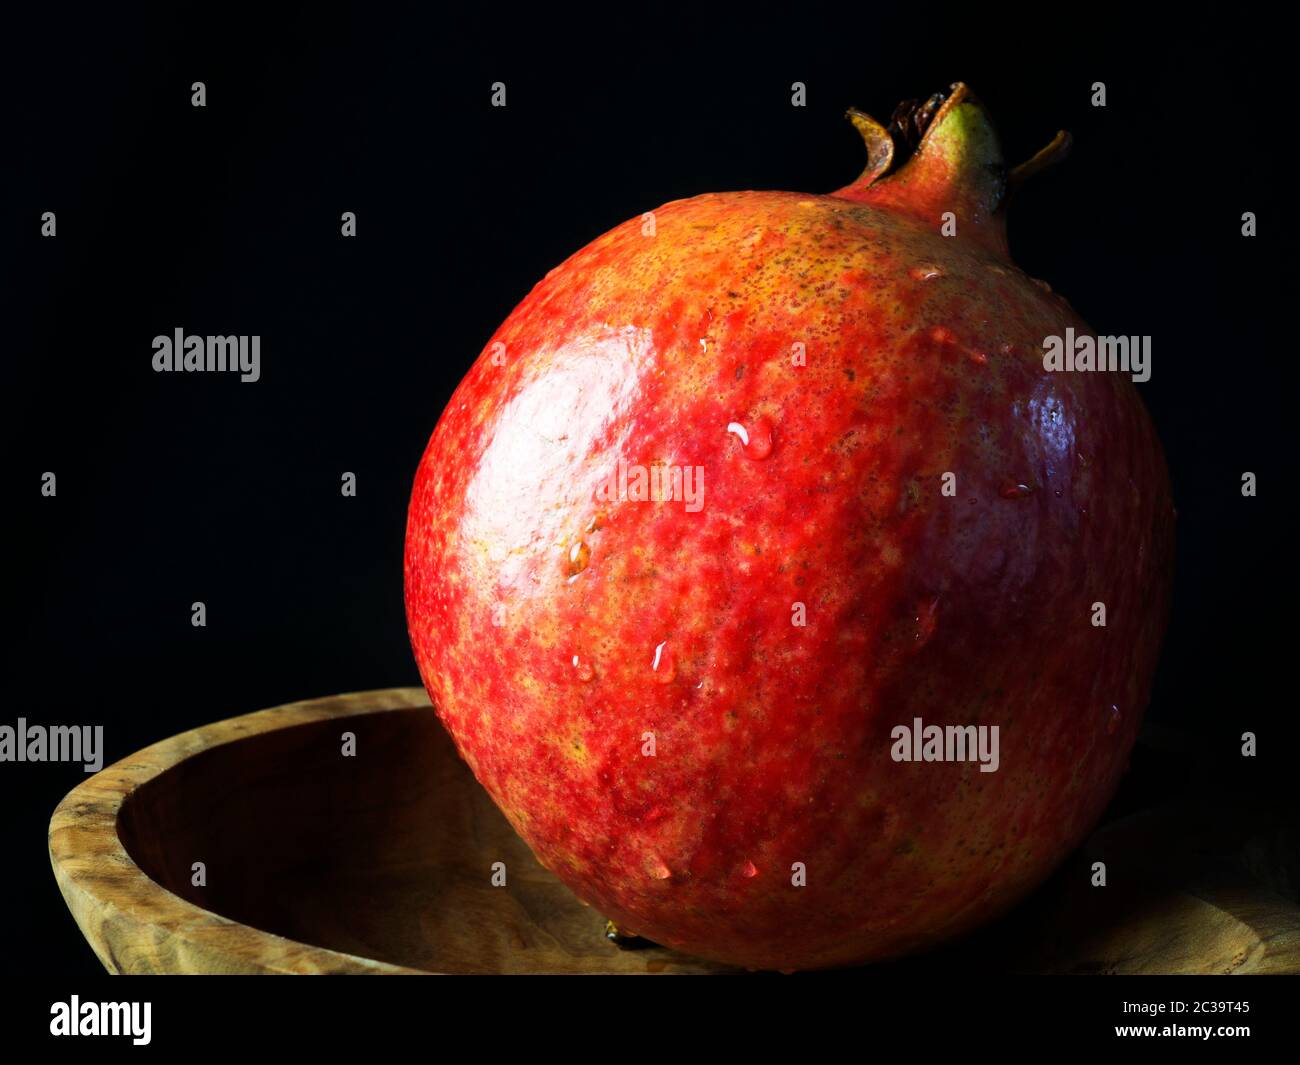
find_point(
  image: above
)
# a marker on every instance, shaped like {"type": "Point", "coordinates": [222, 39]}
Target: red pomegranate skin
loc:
{"type": "Point", "coordinates": [555, 631]}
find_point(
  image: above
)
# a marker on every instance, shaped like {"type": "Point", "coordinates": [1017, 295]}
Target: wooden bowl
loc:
{"type": "Point", "coordinates": [381, 862]}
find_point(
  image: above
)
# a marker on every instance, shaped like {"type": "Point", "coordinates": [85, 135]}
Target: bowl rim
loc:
{"type": "Point", "coordinates": [133, 923]}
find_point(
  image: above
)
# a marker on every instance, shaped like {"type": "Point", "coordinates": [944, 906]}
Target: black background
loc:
{"type": "Point", "coordinates": [225, 219]}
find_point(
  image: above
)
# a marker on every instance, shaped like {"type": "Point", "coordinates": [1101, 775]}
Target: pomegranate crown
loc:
{"type": "Point", "coordinates": [955, 165]}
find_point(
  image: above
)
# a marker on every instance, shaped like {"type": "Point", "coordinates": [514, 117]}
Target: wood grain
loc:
{"type": "Point", "coordinates": [382, 863]}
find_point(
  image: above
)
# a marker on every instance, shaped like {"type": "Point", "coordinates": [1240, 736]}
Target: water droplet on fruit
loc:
{"type": "Point", "coordinates": [1041, 284]}
{"type": "Point", "coordinates": [583, 669]}
{"type": "Point", "coordinates": [597, 520]}
{"type": "Point", "coordinates": [926, 620]}
{"type": "Point", "coordinates": [748, 869]}
{"type": "Point", "coordinates": [760, 440]}
{"type": "Point", "coordinates": [660, 871]}
{"type": "Point", "coordinates": [1016, 491]}
{"type": "Point", "coordinates": [665, 669]}
{"type": "Point", "coordinates": [579, 553]}
{"type": "Point", "coordinates": [756, 441]}
{"type": "Point", "coordinates": [1112, 723]}
{"type": "Point", "coordinates": [979, 358]}
{"type": "Point", "coordinates": [925, 272]}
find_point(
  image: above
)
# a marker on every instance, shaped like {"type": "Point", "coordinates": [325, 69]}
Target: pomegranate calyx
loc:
{"type": "Point", "coordinates": [1052, 154]}
{"type": "Point", "coordinates": [956, 177]}
{"type": "Point", "coordinates": [880, 146]}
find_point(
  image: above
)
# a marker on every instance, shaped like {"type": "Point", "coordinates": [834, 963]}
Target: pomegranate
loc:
{"type": "Point", "coordinates": [788, 605]}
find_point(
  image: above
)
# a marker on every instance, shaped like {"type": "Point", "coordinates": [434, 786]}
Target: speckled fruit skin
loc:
{"type": "Point", "coordinates": [536, 611]}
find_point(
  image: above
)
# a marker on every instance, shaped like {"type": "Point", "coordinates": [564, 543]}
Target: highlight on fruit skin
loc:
{"type": "Point", "coordinates": [697, 716]}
